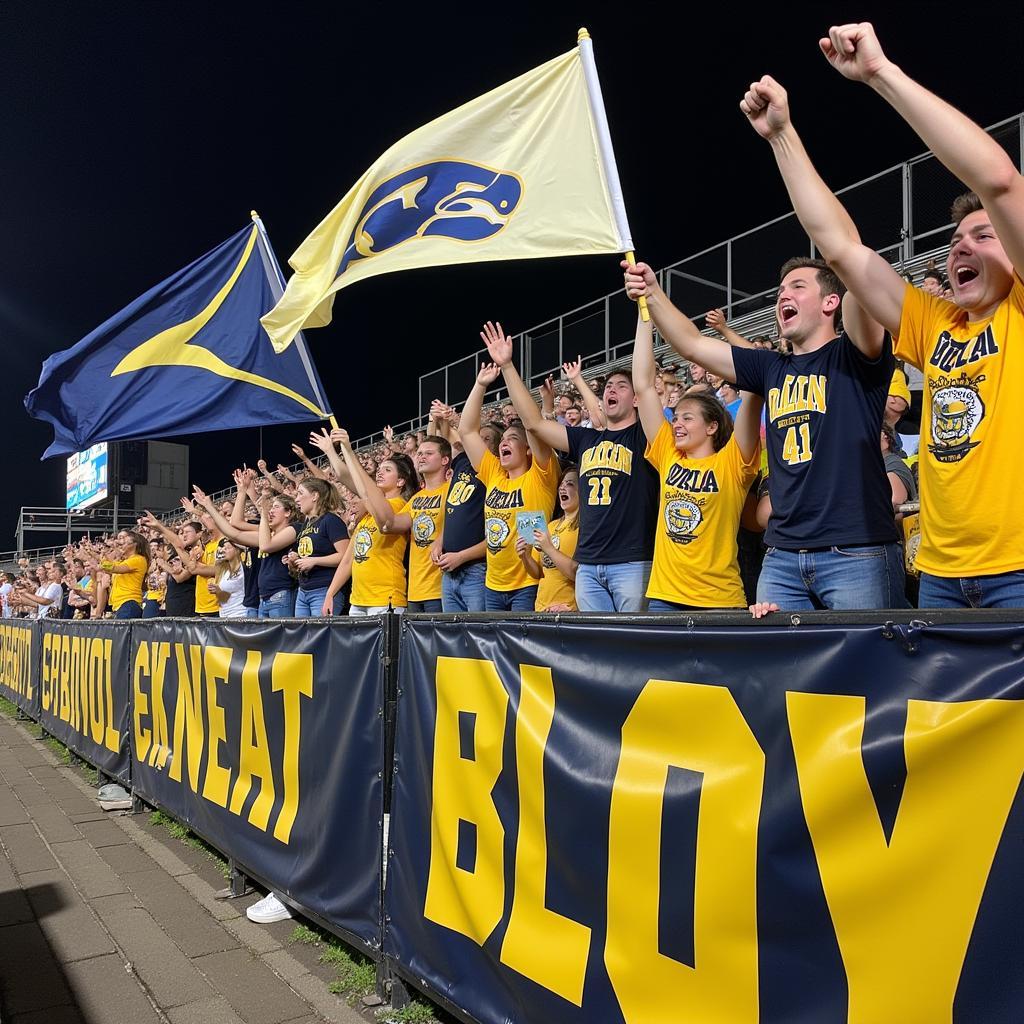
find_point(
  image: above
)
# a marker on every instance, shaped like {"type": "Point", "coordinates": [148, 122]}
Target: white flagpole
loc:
{"type": "Point", "coordinates": [276, 280]}
{"type": "Point", "coordinates": [607, 153]}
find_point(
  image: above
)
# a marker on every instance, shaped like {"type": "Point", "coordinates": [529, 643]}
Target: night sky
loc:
{"type": "Point", "coordinates": [136, 136]}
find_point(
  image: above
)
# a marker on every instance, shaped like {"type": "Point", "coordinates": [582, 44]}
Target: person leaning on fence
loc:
{"type": "Point", "coordinates": [706, 468]}
{"type": "Point", "coordinates": [972, 549]}
{"type": "Point", "coordinates": [374, 560]}
{"type": "Point", "coordinates": [522, 478]}
{"type": "Point", "coordinates": [832, 541]}
{"type": "Point", "coordinates": [618, 504]}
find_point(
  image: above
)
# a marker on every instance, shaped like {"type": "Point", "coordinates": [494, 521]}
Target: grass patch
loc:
{"type": "Point", "coordinates": [414, 1013]}
{"type": "Point", "coordinates": [355, 975]}
{"type": "Point", "coordinates": [59, 749]}
{"type": "Point", "coordinates": [185, 835]}
{"type": "Point", "coordinates": [8, 708]}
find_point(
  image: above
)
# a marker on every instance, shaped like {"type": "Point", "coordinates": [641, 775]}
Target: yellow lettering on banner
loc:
{"type": "Point", "coordinates": [161, 654]}
{"type": "Point", "coordinates": [140, 702]}
{"type": "Point", "coordinates": [534, 931]}
{"type": "Point", "coordinates": [95, 688]}
{"type": "Point", "coordinates": [292, 675]}
{"type": "Point", "coordinates": [904, 911]}
{"type": "Point", "coordinates": [217, 663]}
{"type": "Point", "coordinates": [686, 725]}
{"type": "Point", "coordinates": [188, 715]}
{"type": "Point", "coordinates": [112, 739]}
{"type": "Point", "coordinates": [75, 668]}
{"type": "Point", "coordinates": [63, 709]}
{"type": "Point", "coordinates": [46, 697]}
{"type": "Point", "coordinates": [254, 749]}
{"type": "Point", "coordinates": [467, 901]}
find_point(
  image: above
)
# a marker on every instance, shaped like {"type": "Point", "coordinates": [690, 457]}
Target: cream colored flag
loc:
{"type": "Point", "coordinates": [523, 172]}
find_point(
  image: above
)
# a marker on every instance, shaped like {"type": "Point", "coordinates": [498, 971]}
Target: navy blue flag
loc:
{"type": "Point", "coordinates": [188, 356]}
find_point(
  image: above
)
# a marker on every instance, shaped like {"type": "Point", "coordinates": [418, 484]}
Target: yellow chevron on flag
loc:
{"type": "Point", "coordinates": [522, 172]}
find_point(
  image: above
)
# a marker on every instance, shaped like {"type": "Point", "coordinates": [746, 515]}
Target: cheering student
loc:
{"type": "Point", "coordinates": [619, 500]}
{"type": "Point", "coordinates": [375, 559]}
{"type": "Point", "coordinates": [706, 468]}
{"type": "Point", "coordinates": [972, 549]}
{"type": "Point", "coordinates": [128, 575]}
{"type": "Point", "coordinates": [522, 478]}
{"type": "Point", "coordinates": [549, 558]}
{"type": "Point", "coordinates": [228, 586]}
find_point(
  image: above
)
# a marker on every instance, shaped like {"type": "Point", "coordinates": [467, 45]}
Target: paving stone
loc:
{"type": "Point", "coordinates": [255, 936]}
{"type": "Point", "coordinates": [70, 927]}
{"type": "Point", "coordinates": [222, 910]}
{"type": "Point", "coordinates": [51, 1015]}
{"type": "Point", "coordinates": [207, 1011]}
{"type": "Point", "coordinates": [103, 832]}
{"type": "Point", "coordinates": [12, 812]}
{"type": "Point", "coordinates": [31, 794]}
{"type": "Point", "coordinates": [105, 991]}
{"type": "Point", "coordinates": [90, 872]}
{"type": "Point", "coordinates": [31, 978]}
{"type": "Point", "coordinates": [126, 859]}
{"type": "Point", "coordinates": [54, 824]}
{"type": "Point", "coordinates": [256, 994]}
{"type": "Point", "coordinates": [166, 971]}
{"type": "Point", "coordinates": [194, 930]}
{"type": "Point", "coordinates": [95, 814]}
{"type": "Point", "coordinates": [27, 852]}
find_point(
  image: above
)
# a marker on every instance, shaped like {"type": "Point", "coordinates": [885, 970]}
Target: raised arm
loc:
{"type": "Point", "coordinates": [875, 284]}
{"type": "Point", "coordinates": [305, 460]}
{"type": "Point", "coordinates": [969, 152]}
{"type": "Point", "coordinates": [543, 434]}
{"type": "Point", "coordinates": [715, 319]}
{"type": "Point", "coordinates": [678, 330]}
{"type": "Point", "coordinates": [574, 371]}
{"type": "Point", "coordinates": [249, 537]}
{"type": "Point", "coordinates": [387, 519]}
{"type": "Point", "coordinates": [469, 424]}
{"type": "Point", "coordinates": [648, 402]}
{"type": "Point", "coordinates": [747, 427]}
{"type": "Point", "coordinates": [325, 442]}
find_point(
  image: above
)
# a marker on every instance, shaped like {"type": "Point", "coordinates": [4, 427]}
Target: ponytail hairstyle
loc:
{"type": "Point", "coordinates": [326, 495]}
{"type": "Point", "coordinates": [140, 544]}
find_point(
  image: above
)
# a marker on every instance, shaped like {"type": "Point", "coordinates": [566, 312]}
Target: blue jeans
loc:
{"type": "Point", "coordinates": [128, 610]}
{"type": "Point", "coordinates": [656, 604]}
{"type": "Point", "coordinates": [861, 576]}
{"type": "Point", "coordinates": [251, 613]}
{"type": "Point", "coordinates": [1003, 590]}
{"type": "Point", "coordinates": [424, 607]}
{"type": "Point", "coordinates": [522, 600]}
{"type": "Point", "coordinates": [280, 605]}
{"type": "Point", "coordinates": [463, 589]}
{"type": "Point", "coordinates": [612, 588]}
{"type": "Point", "coordinates": [309, 604]}
{"type": "Point", "coordinates": [151, 609]}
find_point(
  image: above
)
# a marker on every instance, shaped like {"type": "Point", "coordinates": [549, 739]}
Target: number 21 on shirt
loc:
{"type": "Point", "coordinates": [600, 490]}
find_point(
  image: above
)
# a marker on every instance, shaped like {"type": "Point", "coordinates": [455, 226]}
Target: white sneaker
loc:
{"type": "Point", "coordinates": [268, 910]}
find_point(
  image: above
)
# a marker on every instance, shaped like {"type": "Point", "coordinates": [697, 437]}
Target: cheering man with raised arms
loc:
{"type": "Point", "coordinates": [972, 551]}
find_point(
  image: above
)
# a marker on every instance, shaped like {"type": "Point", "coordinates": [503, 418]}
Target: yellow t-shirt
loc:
{"type": "Point", "coordinates": [205, 601]}
{"type": "Point", "coordinates": [127, 586]}
{"type": "Point", "coordinates": [534, 491]}
{"type": "Point", "coordinates": [972, 490]}
{"type": "Point", "coordinates": [378, 564]}
{"type": "Point", "coordinates": [695, 552]}
{"type": "Point", "coordinates": [426, 509]}
{"type": "Point", "coordinates": [554, 587]}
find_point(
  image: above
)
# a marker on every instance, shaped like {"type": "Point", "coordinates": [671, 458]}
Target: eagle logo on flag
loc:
{"type": "Point", "coordinates": [455, 199]}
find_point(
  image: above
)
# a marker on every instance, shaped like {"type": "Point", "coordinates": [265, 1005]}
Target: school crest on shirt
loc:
{"type": "Point", "coordinates": [545, 559]}
{"type": "Point", "coordinates": [305, 546]}
{"type": "Point", "coordinates": [423, 530]}
{"type": "Point", "coordinates": [957, 411]}
{"type": "Point", "coordinates": [361, 544]}
{"type": "Point", "coordinates": [496, 531]}
{"type": "Point", "coordinates": [682, 517]}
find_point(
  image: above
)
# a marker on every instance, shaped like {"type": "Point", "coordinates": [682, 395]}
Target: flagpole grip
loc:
{"type": "Point", "coordinates": [333, 422]}
{"type": "Point", "coordinates": [645, 314]}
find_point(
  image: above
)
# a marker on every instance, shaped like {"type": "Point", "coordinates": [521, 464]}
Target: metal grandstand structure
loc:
{"type": "Point", "coordinates": [902, 212]}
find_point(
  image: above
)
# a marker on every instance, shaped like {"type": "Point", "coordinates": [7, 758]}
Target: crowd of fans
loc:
{"type": "Point", "coordinates": [765, 472]}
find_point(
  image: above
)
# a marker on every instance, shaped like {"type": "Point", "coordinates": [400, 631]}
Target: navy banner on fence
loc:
{"type": "Point", "coordinates": [267, 739]}
{"type": "Point", "coordinates": [17, 666]}
{"type": "Point", "coordinates": [84, 690]}
{"type": "Point", "coordinates": [646, 824]}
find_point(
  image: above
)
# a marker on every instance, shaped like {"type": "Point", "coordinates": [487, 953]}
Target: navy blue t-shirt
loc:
{"type": "Point", "coordinates": [317, 538]}
{"type": "Point", "coordinates": [273, 573]}
{"type": "Point", "coordinates": [618, 495]}
{"type": "Point", "coordinates": [823, 415]}
{"type": "Point", "coordinates": [464, 507]}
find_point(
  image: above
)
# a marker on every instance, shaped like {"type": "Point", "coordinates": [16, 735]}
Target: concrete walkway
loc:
{"type": "Point", "coordinates": [102, 922]}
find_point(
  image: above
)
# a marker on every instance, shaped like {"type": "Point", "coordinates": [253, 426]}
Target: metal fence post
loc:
{"type": "Point", "coordinates": [728, 280]}
{"type": "Point", "coordinates": [908, 212]}
{"type": "Point", "coordinates": [607, 326]}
